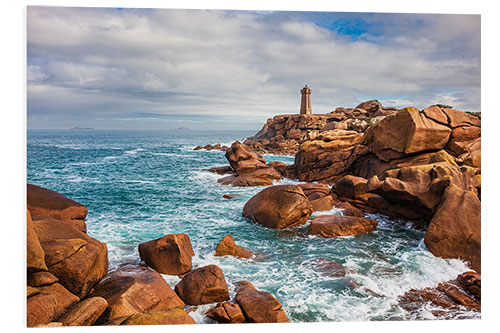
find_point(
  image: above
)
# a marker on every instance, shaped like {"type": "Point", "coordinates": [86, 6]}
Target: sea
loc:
{"type": "Point", "coordinates": [140, 185]}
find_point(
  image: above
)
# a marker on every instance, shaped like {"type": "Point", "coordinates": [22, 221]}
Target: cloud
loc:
{"type": "Point", "coordinates": [108, 67]}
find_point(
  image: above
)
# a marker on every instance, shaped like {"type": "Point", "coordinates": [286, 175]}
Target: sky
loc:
{"type": "Point", "coordinates": [115, 68]}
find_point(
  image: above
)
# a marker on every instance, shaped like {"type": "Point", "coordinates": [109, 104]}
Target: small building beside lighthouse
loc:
{"type": "Point", "coordinates": [305, 102]}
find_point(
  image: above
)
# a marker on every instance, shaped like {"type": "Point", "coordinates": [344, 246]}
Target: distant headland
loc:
{"type": "Point", "coordinates": [77, 128]}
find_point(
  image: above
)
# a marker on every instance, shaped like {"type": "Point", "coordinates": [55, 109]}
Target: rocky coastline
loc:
{"type": "Point", "coordinates": [421, 166]}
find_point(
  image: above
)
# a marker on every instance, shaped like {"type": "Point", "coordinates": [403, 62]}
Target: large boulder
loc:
{"type": "Point", "coordinates": [243, 160]}
{"type": "Point", "coordinates": [281, 206]}
{"type": "Point", "coordinates": [259, 306]}
{"type": "Point", "coordinates": [226, 313]}
{"type": "Point", "coordinates": [48, 303]}
{"type": "Point", "coordinates": [327, 157]}
{"type": "Point", "coordinates": [227, 247]}
{"type": "Point", "coordinates": [84, 313]}
{"type": "Point", "coordinates": [406, 132]}
{"type": "Point", "coordinates": [337, 226]}
{"type": "Point", "coordinates": [160, 317]}
{"type": "Point", "coordinates": [132, 289]}
{"type": "Point", "coordinates": [315, 191]}
{"type": "Point", "coordinates": [34, 251]}
{"type": "Point", "coordinates": [371, 106]}
{"type": "Point", "coordinates": [455, 228]}
{"type": "Point", "coordinates": [44, 202]}
{"type": "Point", "coordinates": [203, 285]}
{"type": "Point", "coordinates": [415, 191]}
{"type": "Point", "coordinates": [171, 254]}
{"type": "Point", "coordinates": [350, 186]}
{"type": "Point", "coordinates": [76, 259]}
{"type": "Point", "coordinates": [260, 177]}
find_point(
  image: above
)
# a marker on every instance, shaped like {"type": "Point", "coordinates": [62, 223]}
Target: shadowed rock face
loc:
{"type": "Point", "coordinates": [455, 228]}
{"type": "Point", "coordinates": [84, 313]}
{"type": "Point", "coordinates": [204, 285]}
{"type": "Point", "coordinates": [170, 254]}
{"type": "Point", "coordinates": [259, 306]}
{"type": "Point", "coordinates": [227, 313]}
{"type": "Point", "coordinates": [281, 206]}
{"type": "Point", "coordinates": [44, 202]}
{"type": "Point", "coordinates": [47, 303]}
{"type": "Point", "coordinates": [132, 289]}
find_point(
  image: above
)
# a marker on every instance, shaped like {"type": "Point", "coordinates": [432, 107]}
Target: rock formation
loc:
{"type": "Point", "coordinates": [337, 226]}
{"type": "Point", "coordinates": [227, 246]}
{"type": "Point", "coordinates": [280, 206]}
{"type": "Point", "coordinates": [203, 285]}
{"type": "Point", "coordinates": [170, 254]}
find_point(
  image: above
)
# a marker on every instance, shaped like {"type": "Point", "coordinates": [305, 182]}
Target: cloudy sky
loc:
{"type": "Point", "coordinates": [147, 68]}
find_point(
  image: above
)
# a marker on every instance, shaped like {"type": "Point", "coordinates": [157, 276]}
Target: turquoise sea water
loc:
{"type": "Point", "coordinates": [141, 185]}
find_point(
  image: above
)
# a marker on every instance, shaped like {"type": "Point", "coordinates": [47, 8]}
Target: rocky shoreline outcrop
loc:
{"type": "Point", "coordinates": [422, 166]}
{"type": "Point", "coordinates": [68, 283]}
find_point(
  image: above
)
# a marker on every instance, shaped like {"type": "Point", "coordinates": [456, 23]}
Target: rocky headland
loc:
{"type": "Point", "coordinates": [421, 166]}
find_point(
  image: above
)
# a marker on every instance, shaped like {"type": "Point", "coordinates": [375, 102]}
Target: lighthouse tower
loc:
{"type": "Point", "coordinates": [305, 102]}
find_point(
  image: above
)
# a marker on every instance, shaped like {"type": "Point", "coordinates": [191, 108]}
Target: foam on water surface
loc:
{"type": "Point", "coordinates": [141, 185]}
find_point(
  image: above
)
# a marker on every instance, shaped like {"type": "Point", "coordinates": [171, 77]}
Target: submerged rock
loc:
{"type": "Point", "coordinates": [203, 285]}
{"type": "Point", "coordinates": [171, 254]}
{"type": "Point", "coordinates": [337, 226]}
{"type": "Point", "coordinates": [259, 306]}
{"type": "Point", "coordinates": [281, 206]}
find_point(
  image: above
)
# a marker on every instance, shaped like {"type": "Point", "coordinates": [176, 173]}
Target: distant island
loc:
{"type": "Point", "coordinates": [77, 128]}
{"type": "Point", "coordinates": [181, 129]}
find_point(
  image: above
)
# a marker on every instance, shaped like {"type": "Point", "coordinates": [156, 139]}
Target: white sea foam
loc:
{"type": "Point", "coordinates": [134, 151]}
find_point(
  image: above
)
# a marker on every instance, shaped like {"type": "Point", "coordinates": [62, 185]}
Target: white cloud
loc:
{"type": "Point", "coordinates": [239, 64]}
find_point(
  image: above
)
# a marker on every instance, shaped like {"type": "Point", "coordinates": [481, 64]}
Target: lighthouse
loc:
{"type": "Point", "coordinates": [305, 102]}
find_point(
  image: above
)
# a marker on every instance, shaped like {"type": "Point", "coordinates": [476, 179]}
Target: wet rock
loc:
{"type": "Point", "coordinates": [132, 289]}
{"type": "Point", "coordinates": [329, 267]}
{"type": "Point", "coordinates": [198, 148]}
{"type": "Point", "coordinates": [84, 313]}
{"type": "Point", "coordinates": [281, 206]}
{"type": "Point", "coordinates": [471, 282]}
{"type": "Point", "coordinates": [203, 285]}
{"type": "Point", "coordinates": [227, 313]}
{"type": "Point", "coordinates": [227, 246]}
{"type": "Point", "coordinates": [337, 226]}
{"type": "Point", "coordinates": [223, 170]}
{"type": "Point", "coordinates": [76, 259]}
{"type": "Point", "coordinates": [48, 304]}
{"type": "Point", "coordinates": [159, 317]}
{"type": "Point", "coordinates": [453, 233]}
{"type": "Point", "coordinates": [171, 254]}
{"type": "Point", "coordinates": [259, 306]}
{"type": "Point", "coordinates": [278, 166]}
{"type": "Point", "coordinates": [47, 203]}
{"type": "Point", "coordinates": [229, 196]}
